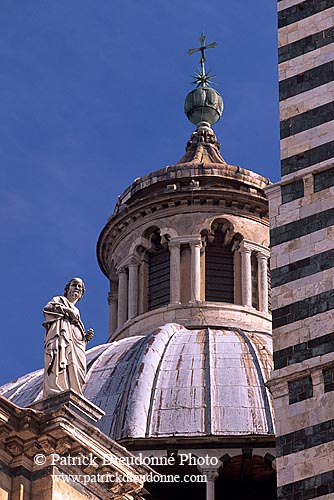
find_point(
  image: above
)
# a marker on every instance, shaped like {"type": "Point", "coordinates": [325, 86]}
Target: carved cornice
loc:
{"type": "Point", "coordinates": [112, 297]}
{"type": "Point", "coordinates": [58, 430]}
{"type": "Point", "coordinates": [220, 173]}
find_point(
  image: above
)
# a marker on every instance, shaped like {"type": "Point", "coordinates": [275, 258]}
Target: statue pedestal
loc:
{"type": "Point", "coordinates": [73, 401]}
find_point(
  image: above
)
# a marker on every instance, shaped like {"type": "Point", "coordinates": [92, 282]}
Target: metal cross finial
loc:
{"type": "Point", "coordinates": [201, 49]}
{"type": "Point", "coordinates": [201, 78]}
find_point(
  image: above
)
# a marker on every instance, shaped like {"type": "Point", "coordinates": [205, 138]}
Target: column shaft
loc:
{"type": "Point", "coordinates": [175, 273]}
{"type": "Point", "coordinates": [210, 489]}
{"type": "Point", "coordinates": [122, 297]}
{"type": "Point", "coordinates": [246, 277]}
{"type": "Point", "coordinates": [195, 272]}
{"type": "Point", "coordinates": [133, 290]}
{"type": "Point", "coordinates": [211, 476]}
{"type": "Point", "coordinates": [263, 282]}
{"type": "Point", "coordinates": [112, 301]}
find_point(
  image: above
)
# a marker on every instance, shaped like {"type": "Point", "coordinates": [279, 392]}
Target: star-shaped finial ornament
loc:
{"type": "Point", "coordinates": [203, 79]}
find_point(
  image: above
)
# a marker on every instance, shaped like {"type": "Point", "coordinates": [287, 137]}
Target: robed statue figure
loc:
{"type": "Point", "coordinates": [65, 342]}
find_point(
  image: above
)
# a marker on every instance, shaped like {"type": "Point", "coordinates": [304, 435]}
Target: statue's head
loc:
{"type": "Point", "coordinates": [72, 281]}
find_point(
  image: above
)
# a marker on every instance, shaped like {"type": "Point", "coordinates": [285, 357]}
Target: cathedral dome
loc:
{"type": "Point", "coordinates": [175, 382]}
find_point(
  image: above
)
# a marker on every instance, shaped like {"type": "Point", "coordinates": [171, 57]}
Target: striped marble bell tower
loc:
{"type": "Point", "coordinates": [302, 256]}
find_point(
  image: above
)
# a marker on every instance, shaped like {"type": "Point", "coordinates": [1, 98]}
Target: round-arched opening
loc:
{"type": "Point", "coordinates": [180, 482]}
{"type": "Point", "coordinates": [158, 271]}
{"type": "Point", "coordinates": [246, 477]}
{"type": "Point", "coordinates": [220, 263]}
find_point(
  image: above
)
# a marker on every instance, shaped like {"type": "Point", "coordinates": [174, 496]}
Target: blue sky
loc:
{"type": "Point", "coordinates": [92, 97]}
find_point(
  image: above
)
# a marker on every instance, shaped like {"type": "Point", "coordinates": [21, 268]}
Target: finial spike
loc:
{"type": "Point", "coordinates": [202, 79]}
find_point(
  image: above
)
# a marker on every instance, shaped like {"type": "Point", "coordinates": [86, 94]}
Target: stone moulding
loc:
{"type": "Point", "coordinates": [30, 439]}
{"type": "Point", "coordinates": [196, 186]}
{"type": "Point", "coordinates": [186, 170]}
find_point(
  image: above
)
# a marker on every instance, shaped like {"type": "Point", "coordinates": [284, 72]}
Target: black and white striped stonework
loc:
{"type": "Point", "coordinates": [302, 253]}
{"type": "Point", "coordinates": [306, 84]}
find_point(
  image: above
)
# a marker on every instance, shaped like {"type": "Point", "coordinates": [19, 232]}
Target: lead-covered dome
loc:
{"type": "Point", "coordinates": [175, 382]}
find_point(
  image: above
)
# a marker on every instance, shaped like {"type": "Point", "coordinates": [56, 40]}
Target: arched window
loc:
{"type": "Point", "coordinates": [219, 263]}
{"type": "Point", "coordinates": [246, 477]}
{"type": "Point", "coordinates": [158, 276]}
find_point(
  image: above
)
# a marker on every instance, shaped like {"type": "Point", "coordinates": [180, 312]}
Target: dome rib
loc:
{"type": "Point", "coordinates": [264, 392]}
{"type": "Point", "coordinates": [208, 380]}
{"type": "Point", "coordinates": [170, 328]}
{"type": "Point", "coordinates": [136, 421]}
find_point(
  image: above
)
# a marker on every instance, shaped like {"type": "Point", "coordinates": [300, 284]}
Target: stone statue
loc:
{"type": "Point", "coordinates": [65, 341]}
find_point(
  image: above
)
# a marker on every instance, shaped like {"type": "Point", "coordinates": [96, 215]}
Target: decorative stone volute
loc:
{"type": "Point", "coordinates": [203, 147]}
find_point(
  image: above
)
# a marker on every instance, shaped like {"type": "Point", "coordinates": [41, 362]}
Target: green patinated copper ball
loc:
{"type": "Point", "coordinates": [203, 104]}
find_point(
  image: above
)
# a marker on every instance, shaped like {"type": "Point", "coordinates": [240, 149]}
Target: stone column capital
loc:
{"type": "Point", "coordinates": [244, 248]}
{"type": "Point", "coordinates": [195, 243]}
{"type": "Point", "coordinates": [174, 244]}
{"type": "Point", "coordinates": [263, 255]}
{"type": "Point", "coordinates": [211, 474]}
{"type": "Point", "coordinates": [129, 261]}
{"type": "Point", "coordinates": [121, 270]}
{"type": "Point", "coordinates": [236, 246]}
{"type": "Point", "coordinates": [133, 261]}
{"type": "Point", "coordinates": [112, 297]}
{"type": "Point", "coordinates": [250, 246]}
